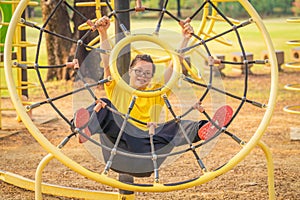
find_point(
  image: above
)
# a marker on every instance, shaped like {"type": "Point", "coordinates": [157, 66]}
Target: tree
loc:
{"type": "Point", "coordinates": [178, 8]}
{"type": "Point", "coordinates": [59, 50]}
{"type": "Point", "coordinates": [89, 61]}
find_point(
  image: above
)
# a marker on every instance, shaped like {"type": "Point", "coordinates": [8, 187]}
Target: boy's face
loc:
{"type": "Point", "coordinates": [140, 75]}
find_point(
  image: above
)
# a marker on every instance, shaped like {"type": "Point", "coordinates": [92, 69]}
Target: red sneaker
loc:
{"type": "Point", "coordinates": [82, 117]}
{"type": "Point", "coordinates": [221, 118]}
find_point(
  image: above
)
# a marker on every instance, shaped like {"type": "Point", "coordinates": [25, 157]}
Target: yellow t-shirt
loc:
{"type": "Point", "coordinates": [145, 109]}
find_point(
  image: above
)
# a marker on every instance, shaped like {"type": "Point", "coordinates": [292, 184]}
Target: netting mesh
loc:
{"type": "Point", "coordinates": [202, 83]}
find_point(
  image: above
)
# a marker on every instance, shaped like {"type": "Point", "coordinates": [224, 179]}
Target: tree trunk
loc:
{"type": "Point", "coordinates": [161, 4]}
{"type": "Point", "coordinates": [60, 51]}
{"type": "Point", "coordinates": [178, 8]}
{"type": "Point", "coordinates": [89, 61]}
{"type": "Point", "coordinates": [57, 49]}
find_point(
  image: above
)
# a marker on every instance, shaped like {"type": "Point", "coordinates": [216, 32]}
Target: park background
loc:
{"type": "Point", "coordinates": [247, 180]}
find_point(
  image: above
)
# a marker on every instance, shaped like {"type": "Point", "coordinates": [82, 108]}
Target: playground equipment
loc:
{"type": "Point", "coordinates": [294, 109]}
{"type": "Point", "coordinates": [19, 47]}
{"type": "Point", "coordinates": [279, 56]}
{"type": "Point", "coordinates": [202, 40]}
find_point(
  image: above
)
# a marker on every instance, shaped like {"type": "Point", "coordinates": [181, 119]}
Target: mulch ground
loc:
{"type": "Point", "coordinates": [20, 153]}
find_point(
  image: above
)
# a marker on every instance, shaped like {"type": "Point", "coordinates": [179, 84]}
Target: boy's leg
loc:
{"type": "Point", "coordinates": [93, 120]}
{"type": "Point", "coordinates": [89, 119]}
{"type": "Point", "coordinates": [81, 119]}
{"type": "Point", "coordinates": [221, 117]}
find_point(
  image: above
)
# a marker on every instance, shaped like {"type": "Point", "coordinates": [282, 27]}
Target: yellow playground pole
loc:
{"type": "Point", "coordinates": [293, 109]}
{"type": "Point", "coordinates": [19, 46]}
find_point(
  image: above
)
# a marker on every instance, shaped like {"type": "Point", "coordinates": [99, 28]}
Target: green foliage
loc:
{"type": "Point", "coordinates": [271, 7]}
{"type": "Point", "coordinates": [37, 9]}
{"type": "Point", "coordinates": [285, 5]}
{"type": "Point", "coordinates": [264, 8]}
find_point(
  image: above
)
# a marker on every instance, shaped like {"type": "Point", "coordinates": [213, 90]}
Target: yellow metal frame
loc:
{"type": "Point", "coordinates": [293, 109]}
{"type": "Point", "coordinates": [292, 65]}
{"type": "Point", "coordinates": [98, 4]}
{"type": "Point", "coordinates": [39, 187]}
{"type": "Point", "coordinates": [209, 32]}
{"type": "Point", "coordinates": [157, 187]}
{"type": "Point", "coordinates": [18, 45]}
{"type": "Point", "coordinates": [150, 38]}
{"type": "Point", "coordinates": [56, 190]}
{"type": "Point", "coordinates": [293, 20]}
{"type": "Point", "coordinates": [294, 42]}
{"type": "Point", "coordinates": [206, 31]}
{"type": "Point", "coordinates": [293, 87]}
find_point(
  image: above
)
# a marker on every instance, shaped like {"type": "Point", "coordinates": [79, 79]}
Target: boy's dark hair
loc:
{"type": "Point", "coordinates": [144, 57]}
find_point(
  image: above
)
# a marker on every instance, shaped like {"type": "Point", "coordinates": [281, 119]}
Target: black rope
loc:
{"type": "Point", "coordinates": [75, 11]}
{"type": "Point", "coordinates": [114, 150]}
{"type": "Point", "coordinates": [198, 10]}
{"type": "Point", "coordinates": [52, 13]}
{"type": "Point", "coordinates": [257, 104]}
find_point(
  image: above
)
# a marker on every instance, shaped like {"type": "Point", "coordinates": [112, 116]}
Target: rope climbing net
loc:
{"type": "Point", "coordinates": [201, 40]}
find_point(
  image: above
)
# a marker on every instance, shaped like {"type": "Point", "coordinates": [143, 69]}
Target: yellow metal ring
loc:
{"type": "Point", "coordinates": [164, 59]}
{"type": "Point", "coordinates": [101, 178]}
{"type": "Point", "coordinates": [293, 87]}
{"type": "Point", "coordinates": [150, 38]}
{"type": "Point", "coordinates": [292, 65]}
{"type": "Point", "coordinates": [293, 20]}
{"type": "Point", "coordinates": [294, 109]}
{"type": "Point", "coordinates": [156, 59]}
{"type": "Point", "coordinates": [294, 42]}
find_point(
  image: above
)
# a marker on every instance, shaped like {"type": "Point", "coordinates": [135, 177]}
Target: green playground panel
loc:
{"type": "Point", "coordinates": [5, 17]}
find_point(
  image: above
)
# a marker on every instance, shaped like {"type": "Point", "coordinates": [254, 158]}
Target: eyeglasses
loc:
{"type": "Point", "coordinates": [141, 73]}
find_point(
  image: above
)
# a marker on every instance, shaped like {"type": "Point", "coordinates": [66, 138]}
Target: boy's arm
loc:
{"type": "Point", "coordinates": [187, 31]}
{"type": "Point", "coordinates": [102, 26]}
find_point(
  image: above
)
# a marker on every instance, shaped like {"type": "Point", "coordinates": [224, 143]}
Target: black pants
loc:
{"type": "Point", "coordinates": [137, 141]}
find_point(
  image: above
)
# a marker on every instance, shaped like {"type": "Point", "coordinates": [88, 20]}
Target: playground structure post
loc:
{"type": "Point", "coordinates": [124, 59]}
{"type": "Point", "coordinates": [19, 53]}
{"type": "Point", "coordinates": [123, 63]}
{"type": "Point", "coordinates": [24, 76]}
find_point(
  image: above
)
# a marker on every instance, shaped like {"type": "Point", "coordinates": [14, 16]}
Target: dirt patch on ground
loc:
{"type": "Point", "coordinates": [21, 153]}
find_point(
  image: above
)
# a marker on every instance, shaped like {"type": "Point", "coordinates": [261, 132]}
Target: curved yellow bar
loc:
{"type": "Point", "coordinates": [56, 190]}
{"type": "Point", "coordinates": [219, 18]}
{"type": "Point", "coordinates": [294, 109]}
{"type": "Point", "coordinates": [209, 32]}
{"type": "Point", "coordinates": [38, 176]}
{"type": "Point", "coordinates": [274, 85]}
{"type": "Point", "coordinates": [166, 59]}
{"type": "Point", "coordinates": [115, 183]}
{"type": "Point", "coordinates": [156, 59]}
{"type": "Point", "coordinates": [293, 20]}
{"type": "Point", "coordinates": [293, 87]}
{"type": "Point", "coordinates": [85, 26]}
{"type": "Point", "coordinates": [30, 3]}
{"type": "Point", "coordinates": [24, 44]}
{"type": "Point", "coordinates": [270, 167]}
{"type": "Point", "coordinates": [191, 71]}
{"type": "Point", "coordinates": [292, 65]}
{"type": "Point", "coordinates": [98, 4]}
{"type": "Point", "coordinates": [213, 17]}
{"type": "Point", "coordinates": [150, 38]}
{"type": "Point", "coordinates": [294, 42]}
